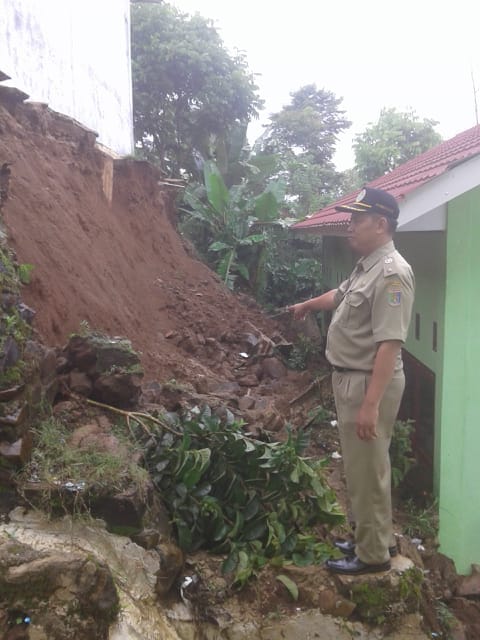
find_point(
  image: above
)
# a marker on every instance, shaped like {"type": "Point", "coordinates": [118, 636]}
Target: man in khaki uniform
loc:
{"type": "Point", "coordinates": [370, 322]}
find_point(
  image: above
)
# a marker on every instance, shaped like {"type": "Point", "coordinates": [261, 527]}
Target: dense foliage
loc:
{"type": "Point", "coordinates": [254, 501]}
{"type": "Point", "coordinates": [292, 268]}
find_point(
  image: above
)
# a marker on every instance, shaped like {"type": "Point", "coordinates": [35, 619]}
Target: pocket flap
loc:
{"type": "Point", "coordinates": [354, 298]}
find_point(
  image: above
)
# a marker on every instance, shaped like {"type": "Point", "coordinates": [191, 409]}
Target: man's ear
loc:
{"type": "Point", "coordinates": [382, 224]}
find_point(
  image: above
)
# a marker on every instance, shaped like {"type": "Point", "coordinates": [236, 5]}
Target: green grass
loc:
{"type": "Point", "coordinates": [55, 463]}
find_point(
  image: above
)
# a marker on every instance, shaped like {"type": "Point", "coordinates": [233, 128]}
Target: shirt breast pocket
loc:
{"type": "Point", "coordinates": [356, 309]}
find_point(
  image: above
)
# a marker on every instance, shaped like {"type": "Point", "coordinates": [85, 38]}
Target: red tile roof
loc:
{"type": "Point", "coordinates": [404, 179]}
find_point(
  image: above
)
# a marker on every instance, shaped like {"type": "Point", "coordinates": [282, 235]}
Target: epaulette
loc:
{"type": "Point", "coordinates": [390, 266]}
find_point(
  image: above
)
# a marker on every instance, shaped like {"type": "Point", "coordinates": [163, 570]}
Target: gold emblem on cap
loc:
{"type": "Point", "coordinates": [361, 195]}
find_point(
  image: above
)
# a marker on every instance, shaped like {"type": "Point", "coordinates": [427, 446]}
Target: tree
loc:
{"type": "Point", "coordinates": [188, 91]}
{"type": "Point", "coordinates": [303, 135]}
{"type": "Point", "coordinates": [394, 139]}
{"type": "Point", "coordinates": [310, 124]}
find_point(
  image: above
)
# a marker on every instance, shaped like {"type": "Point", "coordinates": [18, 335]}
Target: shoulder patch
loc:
{"type": "Point", "coordinates": [394, 293]}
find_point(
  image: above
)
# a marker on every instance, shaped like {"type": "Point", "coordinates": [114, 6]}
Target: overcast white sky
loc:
{"type": "Point", "coordinates": [373, 53]}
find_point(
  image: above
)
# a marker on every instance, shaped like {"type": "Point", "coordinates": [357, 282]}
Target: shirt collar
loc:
{"type": "Point", "coordinates": [367, 262]}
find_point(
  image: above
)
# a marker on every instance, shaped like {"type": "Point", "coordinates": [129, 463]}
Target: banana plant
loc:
{"type": "Point", "coordinates": [229, 215]}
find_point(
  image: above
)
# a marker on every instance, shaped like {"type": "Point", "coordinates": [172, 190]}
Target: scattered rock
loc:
{"type": "Point", "coordinates": [14, 414]}
{"type": "Point", "coordinates": [189, 344]}
{"type": "Point", "coordinates": [118, 389]}
{"type": "Point", "coordinates": [80, 354]}
{"type": "Point", "coordinates": [171, 564]}
{"type": "Point", "coordinates": [274, 368]}
{"type": "Point", "coordinates": [101, 354]}
{"type": "Point", "coordinates": [470, 585]}
{"type": "Point", "coordinates": [147, 538]}
{"type": "Point", "coordinates": [151, 393]}
{"type": "Point", "coordinates": [225, 389]}
{"type": "Point", "coordinates": [317, 590]}
{"type": "Point", "coordinates": [171, 397]}
{"type": "Point", "coordinates": [26, 313]}
{"type": "Point", "coordinates": [262, 404]}
{"type": "Point", "coordinates": [9, 300]}
{"type": "Point", "coordinates": [122, 512]}
{"type": "Point", "coordinates": [95, 438]}
{"type": "Point", "coordinates": [13, 392]}
{"type": "Point", "coordinates": [62, 364]}
{"type": "Point", "coordinates": [443, 575]}
{"type": "Point", "coordinates": [272, 420]}
{"type": "Point", "coordinates": [132, 513]}
{"type": "Point", "coordinates": [64, 409]}
{"type": "Point", "coordinates": [248, 381]}
{"type": "Point", "coordinates": [245, 403]}
{"type": "Point", "coordinates": [80, 383]}
{"type": "Point", "coordinates": [411, 628]}
{"type": "Point", "coordinates": [9, 355]}
{"type": "Point", "coordinates": [201, 384]}
{"type": "Point", "coordinates": [18, 452]}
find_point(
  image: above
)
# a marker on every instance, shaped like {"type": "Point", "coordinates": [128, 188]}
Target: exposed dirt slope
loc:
{"type": "Point", "coordinates": [122, 267]}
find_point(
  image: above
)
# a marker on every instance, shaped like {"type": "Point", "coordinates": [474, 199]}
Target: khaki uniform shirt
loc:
{"type": "Point", "coordinates": [373, 305]}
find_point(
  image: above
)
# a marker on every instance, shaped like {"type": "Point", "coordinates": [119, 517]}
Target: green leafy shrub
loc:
{"type": "Point", "coordinates": [14, 330]}
{"type": "Point", "coordinates": [401, 457]}
{"type": "Point", "coordinates": [303, 352]}
{"type": "Point", "coordinates": [319, 415]}
{"type": "Point", "coordinates": [255, 501]}
{"type": "Point", "coordinates": [422, 522]}
{"type": "Point", "coordinates": [293, 269]}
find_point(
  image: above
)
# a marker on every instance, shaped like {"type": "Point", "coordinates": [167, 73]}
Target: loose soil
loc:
{"type": "Point", "coordinates": [120, 267]}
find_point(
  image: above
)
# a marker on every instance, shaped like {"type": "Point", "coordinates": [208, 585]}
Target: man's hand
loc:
{"type": "Point", "coordinates": [299, 310]}
{"type": "Point", "coordinates": [366, 422]}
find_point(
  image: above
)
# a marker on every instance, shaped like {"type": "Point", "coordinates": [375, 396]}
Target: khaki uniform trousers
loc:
{"type": "Point", "coordinates": [367, 462]}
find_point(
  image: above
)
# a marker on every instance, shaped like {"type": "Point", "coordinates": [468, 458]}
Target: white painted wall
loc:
{"type": "Point", "coordinates": [74, 55]}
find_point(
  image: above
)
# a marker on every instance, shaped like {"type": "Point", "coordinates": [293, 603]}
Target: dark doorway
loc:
{"type": "Point", "coordinates": [418, 404]}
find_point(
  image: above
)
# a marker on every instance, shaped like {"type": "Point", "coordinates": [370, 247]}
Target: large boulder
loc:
{"type": "Point", "coordinates": [107, 369]}
{"type": "Point", "coordinates": [65, 596]}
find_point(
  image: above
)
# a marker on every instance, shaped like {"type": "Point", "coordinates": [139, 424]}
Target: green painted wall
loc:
{"type": "Point", "coordinates": [425, 252]}
{"type": "Point", "coordinates": [460, 455]}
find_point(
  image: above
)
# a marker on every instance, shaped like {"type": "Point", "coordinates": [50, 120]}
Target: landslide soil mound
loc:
{"type": "Point", "coordinates": [120, 266]}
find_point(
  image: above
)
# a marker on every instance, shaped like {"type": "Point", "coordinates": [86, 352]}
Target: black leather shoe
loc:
{"type": "Point", "coordinates": [352, 565]}
{"type": "Point", "coordinates": [348, 548]}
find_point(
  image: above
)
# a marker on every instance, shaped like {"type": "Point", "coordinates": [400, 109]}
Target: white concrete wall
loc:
{"type": "Point", "coordinates": [74, 55]}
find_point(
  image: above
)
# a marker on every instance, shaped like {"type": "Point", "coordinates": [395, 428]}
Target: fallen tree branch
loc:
{"type": "Point", "coordinates": [316, 383]}
{"type": "Point", "coordinates": [132, 415]}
